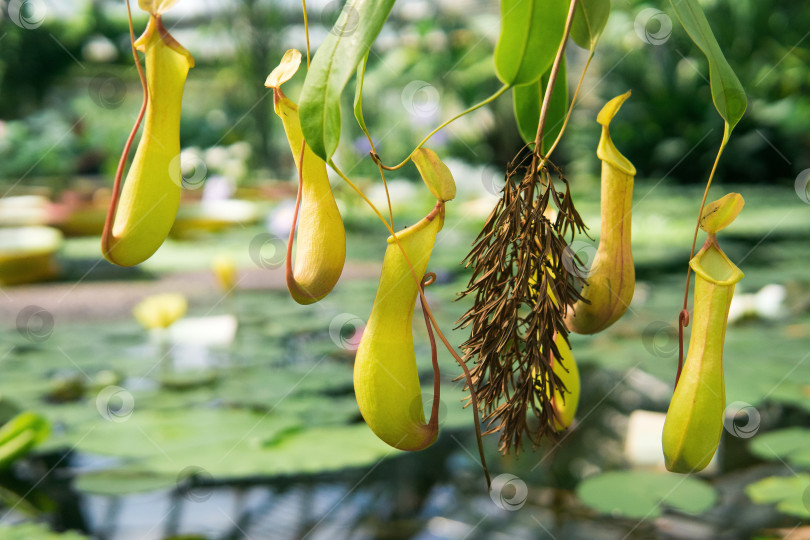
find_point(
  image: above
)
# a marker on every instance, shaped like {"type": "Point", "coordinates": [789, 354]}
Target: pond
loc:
{"type": "Point", "coordinates": [241, 421]}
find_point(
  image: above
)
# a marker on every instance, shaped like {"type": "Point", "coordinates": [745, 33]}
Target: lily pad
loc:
{"type": "Point", "coordinates": [36, 531]}
{"type": "Point", "coordinates": [123, 482]}
{"type": "Point", "coordinates": [790, 493]}
{"type": "Point", "coordinates": [178, 435]}
{"type": "Point", "coordinates": [644, 495]}
{"type": "Point", "coordinates": [293, 452]}
{"type": "Point", "coordinates": [791, 445]}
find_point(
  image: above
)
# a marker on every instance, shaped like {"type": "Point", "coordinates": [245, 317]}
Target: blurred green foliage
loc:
{"type": "Point", "coordinates": [32, 61]}
{"type": "Point", "coordinates": [670, 128]}
{"type": "Point", "coordinates": [430, 63]}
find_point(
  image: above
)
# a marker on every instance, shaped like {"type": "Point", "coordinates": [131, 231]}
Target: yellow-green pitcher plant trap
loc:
{"type": "Point", "coordinates": [142, 213]}
{"type": "Point", "coordinates": [321, 248]}
{"type": "Point", "coordinates": [695, 417]}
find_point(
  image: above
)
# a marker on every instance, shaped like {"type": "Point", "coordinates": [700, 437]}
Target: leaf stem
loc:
{"type": "Point", "coordinates": [306, 28]}
{"type": "Point", "coordinates": [552, 79]}
{"type": "Point", "coordinates": [570, 107]}
{"type": "Point", "coordinates": [478, 105]}
{"type": "Point", "coordinates": [683, 316]}
{"type": "Point", "coordinates": [361, 81]}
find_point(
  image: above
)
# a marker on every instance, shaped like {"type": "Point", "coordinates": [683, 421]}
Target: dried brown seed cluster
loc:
{"type": "Point", "coordinates": [518, 259]}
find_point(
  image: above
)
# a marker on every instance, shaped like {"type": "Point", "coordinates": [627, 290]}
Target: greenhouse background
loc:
{"type": "Point", "coordinates": [190, 397]}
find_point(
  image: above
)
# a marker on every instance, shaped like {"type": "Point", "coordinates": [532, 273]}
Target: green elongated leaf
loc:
{"type": "Point", "coordinates": [334, 63]}
{"type": "Point", "coordinates": [590, 19]}
{"type": "Point", "coordinates": [358, 94]}
{"type": "Point", "coordinates": [25, 421]}
{"type": "Point", "coordinates": [20, 435]}
{"type": "Point", "coordinates": [531, 31]}
{"type": "Point", "coordinates": [528, 99]}
{"type": "Point", "coordinates": [727, 92]}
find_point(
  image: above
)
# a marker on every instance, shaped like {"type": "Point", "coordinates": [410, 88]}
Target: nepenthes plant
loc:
{"type": "Point", "coordinates": [528, 288]}
{"type": "Point", "coordinates": [141, 213]}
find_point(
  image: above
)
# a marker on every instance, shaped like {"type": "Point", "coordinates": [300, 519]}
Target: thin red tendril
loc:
{"type": "Point", "coordinates": [106, 235]}
{"type": "Point", "coordinates": [429, 279]}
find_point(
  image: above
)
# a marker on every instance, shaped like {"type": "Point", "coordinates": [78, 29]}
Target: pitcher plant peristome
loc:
{"type": "Point", "coordinates": [694, 420]}
{"type": "Point", "coordinates": [140, 220]}
{"type": "Point", "coordinates": [321, 249]}
{"type": "Point", "coordinates": [611, 281]}
{"type": "Point", "coordinates": [386, 382]}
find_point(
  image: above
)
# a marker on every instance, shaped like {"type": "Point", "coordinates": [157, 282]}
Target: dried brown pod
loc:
{"type": "Point", "coordinates": [516, 259]}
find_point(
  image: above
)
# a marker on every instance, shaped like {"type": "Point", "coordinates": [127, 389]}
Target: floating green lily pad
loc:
{"type": "Point", "coordinates": [791, 445]}
{"type": "Point", "coordinates": [35, 531]}
{"type": "Point", "coordinates": [644, 495]}
{"type": "Point", "coordinates": [178, 433]}
{"type": "Point", "coordinates": [790, 493]}
{"type": "Point", "coordinates": [123, 482]}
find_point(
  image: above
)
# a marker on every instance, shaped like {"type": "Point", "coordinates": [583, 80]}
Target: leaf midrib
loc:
{"type": "Point", "coordinates": [327, 82]}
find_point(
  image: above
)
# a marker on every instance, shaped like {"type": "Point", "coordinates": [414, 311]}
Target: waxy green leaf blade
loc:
{"type": "Point", "coordinates": [531, 31]}
{"type": "Point", "coordinates": [727, 92]}
{"type": "Point", "coordinates": [528, 99]}
{"type": "Point", "coordinates": [332, 66]}
{"type": "Point", "coordinates": [590, 19]}
{"type": "Point", "coordinates": [358, 94]}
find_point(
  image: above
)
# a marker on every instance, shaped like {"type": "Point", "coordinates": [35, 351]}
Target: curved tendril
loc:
{"type": "Point", "coordinates": [444, 124]}
{"type": "Point", "coordinates": [684, 321]}
{"type": "Point", "coordinates": [427, 280]}
{"type": "Point", "coordinates": [429, 313]}
{"type": "Point", "coordinates": [306, 28]}
{"type": "Point", "coordinates": [570, 110]}
{"type": "Point", "coordinates": [376, 158]}
{"type": "Point", "coordinates": [289, 270]}
{"type": "Point", "coordinates": [106, 234]}
{"type": "Point", "coordinates": [552, 79]}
